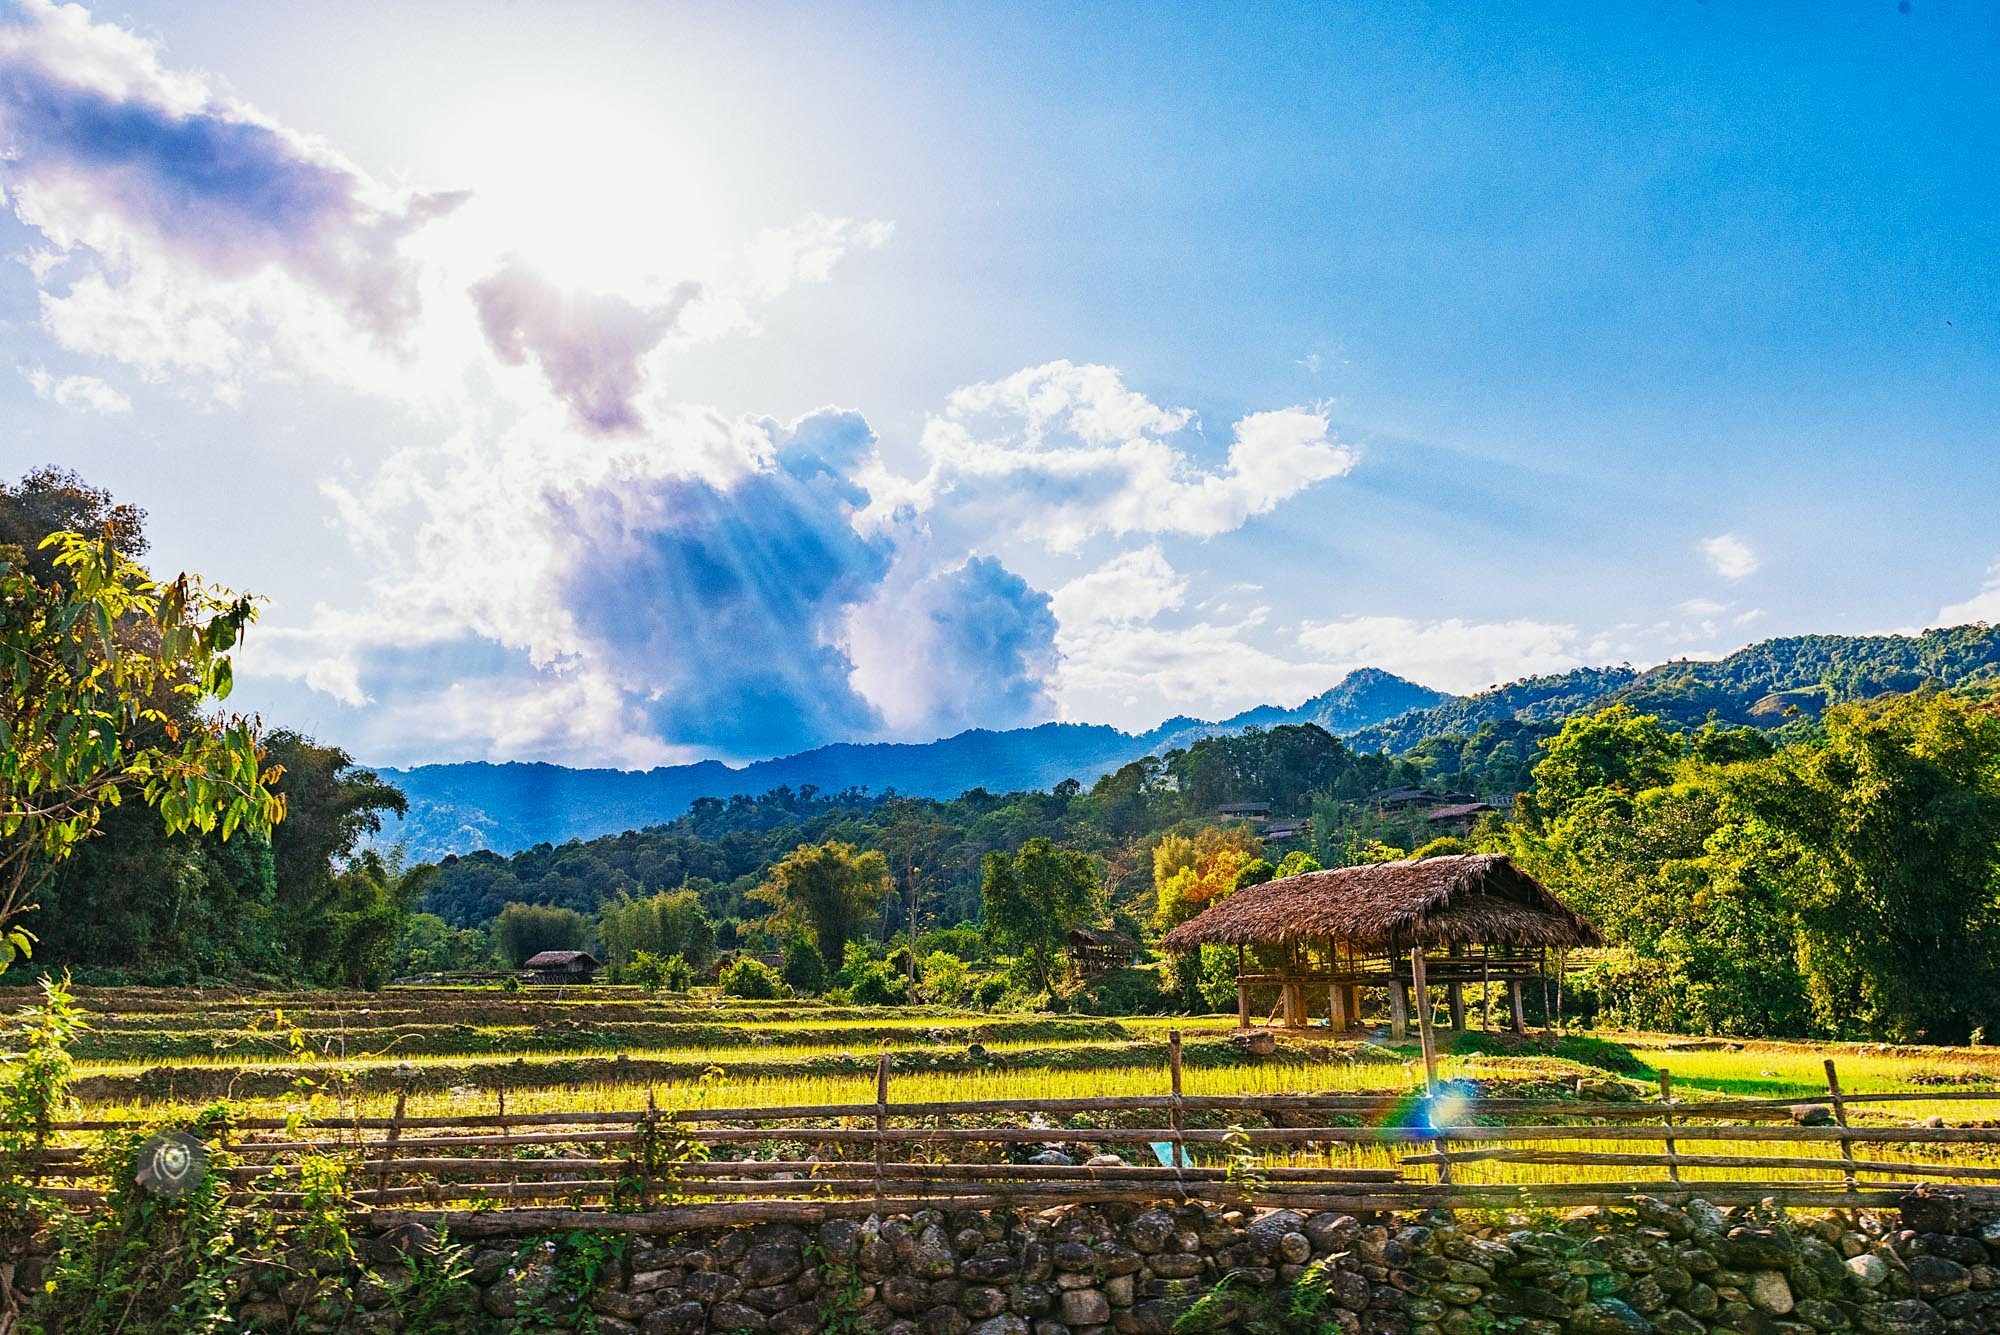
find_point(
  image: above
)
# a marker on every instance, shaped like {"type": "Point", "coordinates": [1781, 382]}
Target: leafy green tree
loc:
{"type": "Point", "coordinates": [670, 923]}
{"type": "Point", "coordinates": [1891, 827]}
{"type": "Point", "coordinates": [102, 673]}
{"type": "Point", "coordinates": [360, 924]}
{"type": "Point", "coordinates": [827, 892]}
{"type": "Point", "coordinates": [429, 944]}
{"type": "Point", "coordinates": [1034, 899]}
{"type": "Point", "coordinates": [523, 931]}
{"type": "Point", "coordinates": [751, 981]}
{"type": "Point", "coordinates": [1614, 748]}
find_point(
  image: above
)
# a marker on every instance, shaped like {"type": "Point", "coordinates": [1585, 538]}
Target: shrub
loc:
{"type": "Point", "coordinates": [660, 974]}
{"type": "Point", "coordinates": [944, 978]}
{"type": "Point", "coordinates": [878, 984]}
{"type": "Point", "coordinates": [1122, 992]}
{"type": "Point", "coordinates": [751, 980]}
{"type": "Point", "coordinates": [964, 941]}
{"type": "Point", "coordinates": [804, 970]}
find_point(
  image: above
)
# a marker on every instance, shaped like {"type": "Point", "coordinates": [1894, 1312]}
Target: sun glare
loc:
{"type": "Point", "coordinates": [593, 194]}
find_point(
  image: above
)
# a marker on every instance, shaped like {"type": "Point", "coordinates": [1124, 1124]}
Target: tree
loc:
{"type": "Point", "coordinates": [1034, 899]}
{"type": "Point", "coordinates": [523, 931]}
{"type": "Point", "coordinates": [429, 944]}
{"type": "Point", "coordinates": [102, 672]}
{"type": "Point", "coordinates": [667, 924]}
{"type": "Point", "coordinates": [1613, 748]}
{"type": "Point", "coordinates": [359, 926]}
{"type": "Point", "coordinates": [825, 892]}
{"type": "Point", "coordinates": [1892, 830]}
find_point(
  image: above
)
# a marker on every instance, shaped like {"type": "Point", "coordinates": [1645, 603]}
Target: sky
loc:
{"type": "Point", "coordinates": [633, 384]}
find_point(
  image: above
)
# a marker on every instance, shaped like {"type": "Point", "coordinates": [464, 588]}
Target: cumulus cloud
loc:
{"type": "Point", "coordinates": [587, 345]}
{"type": "Point", "coordinates": [79, 393]}
{"type": "Point", "coordinates": [141, 179]}
{"type": "Point", "coordinates": [1981, 606]}
{"type": "Point", "coordinates": [1063, 453]}
{"type": "Point", "coordinates": [956, 648]}
{"type": "Point", "coordinates": [1135, 586]}
{"type": "Point", "coordinates": [1729, 556]}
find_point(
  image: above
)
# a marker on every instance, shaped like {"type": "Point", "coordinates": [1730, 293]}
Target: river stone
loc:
{"type": "Point", "coordinates": [1936, 1277]}
{"type": "Point", "coordinates": [1867, 1269]}
{"type": "Point", "coordinates": [1004, 1324]}
{"type": "Point", "coordinates": [1906, 1317]}
{"type": "Point", "coordinates": [1084, 1307]}
{"type": "Point", "coordinates": [1609, 1316]}
{"type": "Point", "coordinates": [1770, 1293]}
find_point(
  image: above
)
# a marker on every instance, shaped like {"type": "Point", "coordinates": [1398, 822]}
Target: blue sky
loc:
{"type": "Point", "coordinates": [627, 384]}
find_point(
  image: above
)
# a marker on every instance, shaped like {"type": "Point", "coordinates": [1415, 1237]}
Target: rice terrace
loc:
{"type": "Point", "coordinates": [872, 668]}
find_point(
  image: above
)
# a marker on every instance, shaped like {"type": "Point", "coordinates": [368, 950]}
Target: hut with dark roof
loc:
{"type": "Point", "coordinates": [555, 967]}
{"type": "Point", "coordinates": [1099, 950]}
{"type": "Point", "coordinates": [1472, 918]}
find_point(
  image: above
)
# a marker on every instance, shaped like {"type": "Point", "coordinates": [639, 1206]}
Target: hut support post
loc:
{"type": "Point", "coordinates": [1399, 1011]}
{"type": "Point", "coordinates": [1456, 992]}
{"type": "Point", "coordinates": [1424, 1022]}
{"type": "Point", "coordinates": [1242, 993]}
{"type": "Point", "coordinates": [1520, 1011]}
{"type": "Point", "coordinates": [1353, 1003]}
{"type": "Point", "coordinates": [1336, 1010]}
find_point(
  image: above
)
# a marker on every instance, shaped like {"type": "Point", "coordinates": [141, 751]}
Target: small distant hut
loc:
{"type": "Point", "coordinates": [1097, 950]}
{"type": "Point", "coordinates": [555, 967]}
{"type": "Point", "coordinates": [1473, 918]}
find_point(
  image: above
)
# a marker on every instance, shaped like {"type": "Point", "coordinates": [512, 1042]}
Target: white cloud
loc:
{"type": "Point", "coordinates": [1062, 453]}
{"type": "Point", "coordinates": [1451, 654]}
{"type": "Point", "coordinates": [1981, 606]}
{"type": "Point", "coordinates": [1136, 586]}
{"type": "Point", "coordinates": [1729, 556]}
{"type": "Point", "coordinates": [79, 393]}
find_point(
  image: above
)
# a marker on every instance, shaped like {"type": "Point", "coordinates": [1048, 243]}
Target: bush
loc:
{"type": "Point", "coordinates": [751, 980]}
{"type": "Point", "coordinates": [656, 974]}
{"type": "Point", "coordinates": [944, 978]}
{"type": "Point", "coordinates": [990, 991]}
{"type": "Point", "coordinates": [878, 984]}
{"type": "Point", "coordinates": [1122, 992]}
{"type": "Point", "coordinates": [804, 970]}
{"type": "Point", "coordinates": [964, 942]}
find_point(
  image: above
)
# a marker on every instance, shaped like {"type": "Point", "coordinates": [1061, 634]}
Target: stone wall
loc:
{"type": "Point", "coordinates": [1644, 1267]}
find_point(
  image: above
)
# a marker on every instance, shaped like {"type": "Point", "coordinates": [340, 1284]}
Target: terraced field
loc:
{"type": "Point", "coordinates": [159, 1054]}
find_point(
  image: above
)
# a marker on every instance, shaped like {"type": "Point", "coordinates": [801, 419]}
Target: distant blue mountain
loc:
{"type": "Point", "coordinates": [457, 808]}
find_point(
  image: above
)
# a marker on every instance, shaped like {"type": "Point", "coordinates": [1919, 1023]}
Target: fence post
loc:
{"type": "Point", "coordinates": [881, 1121]}
{"type": "Point", "coordinates": [1424, 1022]}
{"type": "Point", "coordinates": [1840, 1116]}
{"type": "Point", "coordinates": [1174, 1116]}
{"type": "Point", "coordinates": [389, 1141]}
{"type": "Point", "coordinates": [1667, 1116]}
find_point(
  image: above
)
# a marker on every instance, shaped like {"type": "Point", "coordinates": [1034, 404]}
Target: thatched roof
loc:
{"type": "Point", "coordinates": [1102, 938]}
{"type": "Point", "coordinates": [560, 959]}
{"type": "Point", "coordinates": [1470, 899]}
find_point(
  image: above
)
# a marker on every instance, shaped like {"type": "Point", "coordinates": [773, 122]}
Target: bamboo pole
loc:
{"type": "Point", "coordinates": [881, 1121]}
{"type": "Point", "coordinates": [1424, 1022]}
{"type": "Point", "coordinates": [389, 1144]}
{"type": "Point", "coordinates": [1667, 1120]}
{"type": "Point", "coordinates": [1840, 1117]}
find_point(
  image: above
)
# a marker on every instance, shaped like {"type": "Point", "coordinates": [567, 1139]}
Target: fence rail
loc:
{"type": "Point", "coordinates": [663, 1170]}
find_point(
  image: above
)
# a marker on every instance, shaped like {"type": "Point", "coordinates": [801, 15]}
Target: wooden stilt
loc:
{"type": "Point", "coordinates": [1242, 993]}
{"type": "Point", "coordinates": [1520, 1010]}
{"type": "Point", "coordinates": [1354, 1005]}
{"type": "Point", "coordinates": [1399, 1011]}
{"type": "Point", "coordinates": [1455, 993]}
{"type": "Point", "coordinates": [1336, 1011]}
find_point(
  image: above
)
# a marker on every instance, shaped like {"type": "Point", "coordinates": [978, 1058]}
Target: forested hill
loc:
{"type": "Point", "coordinates": [459, 808]}
{"type": "Point", "coordinates": [1767, 685]}
{"type": "Point", "coordinates": [462, 807]}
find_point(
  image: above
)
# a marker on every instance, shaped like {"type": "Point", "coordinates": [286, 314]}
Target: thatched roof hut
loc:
{"type": "Point", "coordinates": [1471, 899]}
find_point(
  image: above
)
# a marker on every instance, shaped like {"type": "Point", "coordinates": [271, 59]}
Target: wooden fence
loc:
{"type": "Point", "coordinates": [665, 1170]}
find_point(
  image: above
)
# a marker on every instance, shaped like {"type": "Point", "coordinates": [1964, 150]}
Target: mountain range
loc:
{"type": "Point", "coordinates": [456, 808]}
